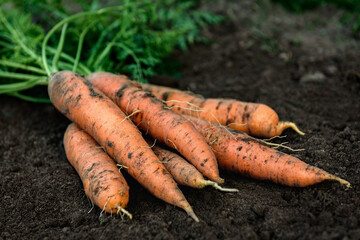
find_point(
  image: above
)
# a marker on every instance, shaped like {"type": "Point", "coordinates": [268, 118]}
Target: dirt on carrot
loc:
{"type": "Point", "coordinates": [157, 120]}
{"type": "Point", "coordinates": [103, 182]}
{"type": "Point", "coordinates": [95, 113]}
{"type": "Point", "coordinates": [183, 172]}
{"type": "Point", "coordinates": [238, 152]}
{"type": "Point", "coordinates": [255, 119]}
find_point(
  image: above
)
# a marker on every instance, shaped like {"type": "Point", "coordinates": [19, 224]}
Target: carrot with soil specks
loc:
{"type": "Point", "coordinates": [238, 152]}
{"type": "Point", "coordinates": [95, 113]}
{"type": "Point", "coordinates": [255, 119]}
{"type": "Point", "coordinates": [183, 172]}
{"type": "Point", "coordinates": [103, 183]}
{"type": "Point", "coordinates": [156, 119]}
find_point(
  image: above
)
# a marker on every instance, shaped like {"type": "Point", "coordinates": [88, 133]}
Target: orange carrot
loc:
{"type": "Point", "coordinates": [252, 118]}
{"type": "Point", "coordinates": [183, 172]}
{"type": "Point", "coordinates": [161, 123]}
{"type": "Point", "coordinates": [103, 183]}
{"type": "Point", "coordinates": [238, 152]}
{"type": "Point", "coordinates": [88, 107]}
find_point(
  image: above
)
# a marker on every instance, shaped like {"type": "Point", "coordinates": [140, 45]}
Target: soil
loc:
{"type": "Point", "coordinates": [306, 67]}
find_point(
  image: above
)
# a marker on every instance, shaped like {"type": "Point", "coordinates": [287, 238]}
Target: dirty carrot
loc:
{"type": "Point", "coordinates": [95, 113]}
{"type": "Point", "coordinates": [158, 121]}
{"type": "Point", "coordinates": [103, 183]}
{"type": "Point", "coordinates": [183, 172]}
{"type": "Point", "coordinates": [238, 152]}
{"type": "Point", "coordinates": [252, 118]}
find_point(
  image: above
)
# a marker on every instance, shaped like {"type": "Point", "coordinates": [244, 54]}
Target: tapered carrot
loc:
{"type": "Point", "coordinates": [95, 113]}
{"type": "Point", "coordinates": [183, 172]}
{"type": "Point", "coordinates": [252, 118]}
{"type": "Point", "coordinates": [156, 119]}
{"type": "Point", "coordinates": [238, 152]}
{"type": "Point", "coordinates": [103, 183]}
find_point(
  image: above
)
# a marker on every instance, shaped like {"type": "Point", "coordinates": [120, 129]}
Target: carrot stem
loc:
{"type": "Point", "coordinates": [29, 98]}
{"type": "Point", "coordinates": [99, 43]}
{"type": "Point", "coordinates": [60, 47]}
{"type": "Point", "coordinates": [80, 45]}
{"type": "Point", "coordinates": [20, 76]}
{"type": "Point", "coordinates": [104, 53]}
{"type": "Point", "coordinates": [19, 86]}
{"type": "Point", "coordinates": [22, 66]}
{"type": "Point", "coordinates": [65, 21]}
{"type": "Point", "coordinates": [70, 59]}
{"type": "Point", "coordinates": [136, 59]}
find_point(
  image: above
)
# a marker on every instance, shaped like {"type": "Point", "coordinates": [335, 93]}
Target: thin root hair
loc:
{"type": "Point", "coordinates": [128, 116]}
{"type": "Point", "coordinates": [149, 146]}
{"type": "Point", "coordinates": [103, 210]}
{"type": "Point", "coordinates": [173, 144]}
{"type": "Point", "coordinates": [218, 187]}
{"type": "Point", "coordinates": [122, 212]}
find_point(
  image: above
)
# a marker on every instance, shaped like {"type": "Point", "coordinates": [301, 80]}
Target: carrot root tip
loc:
{"type": "Point", "coordinates": [124, 212]}
{"type": "Point", "coordinates": [220, 180]}
{"type": "Point", "coordinates": [342, 181]}
{"type": "Point", "coordinates": [191, 213]}
{"type": "Point", "coordinates": [285, 125]}
{"type": "Point", "coordinates": [216, 186]}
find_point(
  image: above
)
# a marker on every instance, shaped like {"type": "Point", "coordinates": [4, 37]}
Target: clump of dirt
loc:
{"type": "Point", "coordinates": [308, 74]}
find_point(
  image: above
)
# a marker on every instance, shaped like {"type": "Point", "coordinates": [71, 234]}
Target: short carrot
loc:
{"type": "Point", "coordinates": [255, 119]}
{"type": "Point", "coordinates": [183, 172]}
{"type": "Point", "coordinates": [103, 183]}
{"type": "Point", "coordinates": [156, 119]}
{"type": "Point", "coordinates": [238, 152]}
{"type": "Point", "coordinates": [95, 113]}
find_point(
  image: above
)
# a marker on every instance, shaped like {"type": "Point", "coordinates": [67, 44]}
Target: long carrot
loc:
{"type": "Point", "coordinates": [252, 118]}
{"type": "Point", "coordinates": [88, 107]}
{"type": "Point", "coordinates": [183, 172]}
{"type": "Point", "coordinates": [238, 152]}
{"type": "Point", "coordinates": [161, 123]}
{"type": "Point", "coordinates": [103, 183]}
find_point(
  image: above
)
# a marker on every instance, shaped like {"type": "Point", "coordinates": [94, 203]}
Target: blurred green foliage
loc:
{"type": "Point", "coordinates": [351, 7]}
{"type": "Point", "coordinates": [133, 39]}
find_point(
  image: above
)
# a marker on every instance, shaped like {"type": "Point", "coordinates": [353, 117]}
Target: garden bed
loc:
{"type": "Point", "coordinates": [306, 67]}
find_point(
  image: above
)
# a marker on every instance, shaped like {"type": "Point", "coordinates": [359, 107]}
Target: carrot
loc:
{"type": "Point", "coordinates": [238, 152]}
{"type": "Point", "coordinates": [255, 119]}
{"type": "Point", "coordinates": [95, 113]}
{"type": "Point", "coordinates": [183, 172]}
{"type": "Point", "coordinates": [161, 123]}
{"type": "Point", "coordinates": [103, 183]}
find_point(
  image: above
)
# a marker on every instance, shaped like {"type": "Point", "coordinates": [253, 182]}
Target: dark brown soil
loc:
{"type": "Point", "coordinates": [249, 59]}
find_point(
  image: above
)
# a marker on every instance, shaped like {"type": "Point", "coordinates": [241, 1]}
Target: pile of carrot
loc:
{"type": "Point", "coordinates": [164, 137]}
